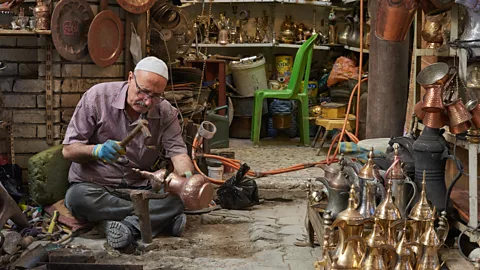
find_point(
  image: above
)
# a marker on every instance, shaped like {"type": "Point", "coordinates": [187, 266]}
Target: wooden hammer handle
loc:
{"type": "Point", "coordinates": [141, 124]}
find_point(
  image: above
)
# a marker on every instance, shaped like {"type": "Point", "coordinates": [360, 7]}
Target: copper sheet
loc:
{"type": "Point", "coordinates": [136, 6]}
{"type": "Point", "coordinates": [70, 22]}
{"type": "Point", "coordinates": [105, 38]}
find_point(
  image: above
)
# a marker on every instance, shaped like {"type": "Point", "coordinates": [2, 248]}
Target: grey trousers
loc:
{"type": "Point", "coordinates": [96, 203]}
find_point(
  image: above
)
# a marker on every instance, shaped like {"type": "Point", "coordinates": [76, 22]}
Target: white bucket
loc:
{"type": "Point", "coordinates": [215, 172]}
{"type": "Point", "coordinates": [249, 76]}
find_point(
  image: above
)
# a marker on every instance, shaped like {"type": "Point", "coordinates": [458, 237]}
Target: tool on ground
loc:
{"type": "Point", "coordinates": [142, 126]}
{"type": "Point", "coordinates": [53, 222]}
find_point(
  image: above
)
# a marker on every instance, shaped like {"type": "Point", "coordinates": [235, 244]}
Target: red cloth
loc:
{"type": "Point", "coordinates": [66, 218]}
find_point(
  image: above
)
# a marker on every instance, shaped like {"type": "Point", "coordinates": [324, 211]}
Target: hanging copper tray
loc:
{"type": "Point", "coordinates": [70, 22]}
{"type": "Point", "coordinates": [136, 6]}
{"type": "Point", "coordinates": [105, 38]}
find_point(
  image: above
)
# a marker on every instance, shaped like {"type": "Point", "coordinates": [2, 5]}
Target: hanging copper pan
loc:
{"type": "Point", "coordinates": [136, 6]}
{"type": "Point", "coordinates": [105, 38]}
{"type": "Point", "coordinates": [70, 22]}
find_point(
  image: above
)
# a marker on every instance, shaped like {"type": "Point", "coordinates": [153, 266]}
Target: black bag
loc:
{"type": "Point", "coordinates": [11, 179]}
{"type": "Point", "coordinates": [238, 192]}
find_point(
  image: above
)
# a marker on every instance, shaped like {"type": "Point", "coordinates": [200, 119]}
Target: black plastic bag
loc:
{"type": "Point", "coordinates": [238, 192]}
{"type": "Point", "coordinates": [11, 179]}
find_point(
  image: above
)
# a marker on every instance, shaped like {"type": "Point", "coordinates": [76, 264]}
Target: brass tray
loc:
{"type": "Point", "coordinates": [105, 38]}
{"type": "Point", "coordinates": [70, 22]}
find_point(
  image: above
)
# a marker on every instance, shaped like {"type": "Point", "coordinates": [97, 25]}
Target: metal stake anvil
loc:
{"type": "Point", "coordinates": [140, 200]}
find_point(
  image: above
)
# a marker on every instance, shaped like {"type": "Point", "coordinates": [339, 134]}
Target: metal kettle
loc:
{"type": "Point", "coordinates": [369, 182]}
{"type": "Point", "coordinates": [336, 186]}
{"type": "Point", "coordinates": [353, 39]}
{"type": "Point", "coordinates": [472, 27]}
{"type": "Point", "coordinates": [343, 36]}
{"type": "Point", "coordinates": [377, 252]}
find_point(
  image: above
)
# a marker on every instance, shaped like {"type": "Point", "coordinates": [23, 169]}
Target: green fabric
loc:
{"type": "Point", "coordinates": [48, 176]}
{"type": "Point", "coordinates": [300, 70]}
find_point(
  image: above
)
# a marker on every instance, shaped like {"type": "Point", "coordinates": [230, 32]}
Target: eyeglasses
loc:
{"type": "Point", "coordinates": [143, 94]}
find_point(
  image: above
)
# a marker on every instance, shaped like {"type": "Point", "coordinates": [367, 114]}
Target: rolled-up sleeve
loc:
{"type": "Point", "coordinates": [83, 122]}
{"type": "Point", "coordinates": [172, 136]}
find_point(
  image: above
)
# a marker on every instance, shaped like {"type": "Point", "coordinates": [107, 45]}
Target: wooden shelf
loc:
{"type": "Point", "coordinates": [434, 52]}
{"type": "Point", "coordinates": [10, 32]}
{"type": "Point", "coordinates": [298, 2]}
{"type": "Point", "coordinates": [264, 45]}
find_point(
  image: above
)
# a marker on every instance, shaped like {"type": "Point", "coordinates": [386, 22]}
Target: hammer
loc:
{"type": "Point", "coordinates": [142, 126]}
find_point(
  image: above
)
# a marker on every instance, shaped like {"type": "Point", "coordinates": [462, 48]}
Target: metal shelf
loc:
{"type": "Point", "coordinates": [435, 52]}
{"type": "Point", "coordinates": [356, 49]}
{"type": "Point", "coordinates": [264, 45]}
{"type": "Point", "coordinates": [10, 32]}
{"type": "Point", "coordinates": [298, 2]}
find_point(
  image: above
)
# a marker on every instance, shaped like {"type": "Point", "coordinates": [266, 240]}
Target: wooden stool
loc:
{"type": "Point", "coordinates": [330, 124]}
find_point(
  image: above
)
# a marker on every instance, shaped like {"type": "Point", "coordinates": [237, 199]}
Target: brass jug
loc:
{"type": "Point", "coordinates": [42, 15]}
{"type": "Point", "coordinates": [420, 214]}
{"type": "Point", "coordinates": [432, 31]}
{"type": "Point", "coordinates": [378, 251]}
{"type": "Point", "coordinates": [370, 184]}
{"type": "Point", "coordinates": [387, 213]}
{"type": "Point", "coordinates": [431, 244]}
{"type": "Point", "coordinates": [351, 253]}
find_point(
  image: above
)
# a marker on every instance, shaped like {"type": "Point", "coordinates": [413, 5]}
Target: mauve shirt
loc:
{"type": "Point", "coordinates": [100, 115]}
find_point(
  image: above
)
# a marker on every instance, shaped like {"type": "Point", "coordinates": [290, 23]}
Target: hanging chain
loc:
{"type": "Point", "coordinates": [204, 59]}
{"type": "Point", "coordinates": [12, 148]}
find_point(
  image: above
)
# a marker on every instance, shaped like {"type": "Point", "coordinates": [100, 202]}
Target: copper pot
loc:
{"type": "Point", "coordinates": [461, 128]}
{"type": "Point", "coordinates": [394, 18]}
{"type": "Point", "coordinates": [195, 192]}
{"type": "Point", "coordinates": [476, 116]}
{"type": "Point", "coordinates": [437, 73]}
{"type": "Point", "coordinates": [432, 101]}
{"type": "Point", "coordinates": [42, 14]}
{"type": "Point", "coordinates": [418, 110]}
{"type": "Point", "coordinates": [457, 113]}
{"type": "Point", "coordinates": [435, 7]}
{"type": "Point", "coordinates": [434, 120]}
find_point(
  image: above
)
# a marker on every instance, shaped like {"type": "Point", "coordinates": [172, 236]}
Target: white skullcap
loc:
{"type": "Point", "coordinates": [153, 64]}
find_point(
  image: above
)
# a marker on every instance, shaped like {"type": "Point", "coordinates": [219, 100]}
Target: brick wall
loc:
{"type": "Point", "coordinates": [22, 87]}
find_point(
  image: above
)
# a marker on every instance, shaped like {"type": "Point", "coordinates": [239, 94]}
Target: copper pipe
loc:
{"type": "Point", "coordinates": [394, 18]}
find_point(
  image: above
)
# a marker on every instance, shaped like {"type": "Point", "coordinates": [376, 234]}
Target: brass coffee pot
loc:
{"type": "Point", "coordinates": [431, 244]}
{"type": "Point", "coordinates": [336, 187]}
{"type": "Point", "coordinates": [406, 252]}
{"type": "Point", "coordinates": [377, 252]}
{"type": "Point", "coordinates": [420, 214]}
{"type": "Point", "coordinates": [42, 15]}
{"type": "Point", "coordinates": [387, 213]}
{"type": "Point", "coordinates": [196, 192]}
{"type": "Point", "coordinates": [351, 246]}
{"type": "Point", "coordinates": [369, 183]}
{"type": "Point", "coordinates": [403, 195]}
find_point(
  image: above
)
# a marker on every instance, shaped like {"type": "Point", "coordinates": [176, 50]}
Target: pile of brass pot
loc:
{"type": "Point", "coordinates": [383, 236]}
{"type": "Point", "coordinates": [441, 104]}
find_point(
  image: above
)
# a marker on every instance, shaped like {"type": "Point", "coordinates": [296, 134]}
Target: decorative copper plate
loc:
{"type": "Point", "coordinates": [136, 6]}
{"type": "Point", "coordinates": [70, 22]}
{"type": "Point", "coordinates": [105, 38]}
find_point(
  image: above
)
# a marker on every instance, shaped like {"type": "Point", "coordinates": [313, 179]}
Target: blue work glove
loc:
{"type": "Point", "coordinates": [109, 151]}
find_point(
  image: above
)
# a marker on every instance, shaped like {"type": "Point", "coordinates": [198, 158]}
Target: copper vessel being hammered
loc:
{"type": "Point", "coordinates": [394, 18]}
{"type": "Point", "coordinates": [432, 101]}
{"type": "Point", "coordinates": [457, 113]}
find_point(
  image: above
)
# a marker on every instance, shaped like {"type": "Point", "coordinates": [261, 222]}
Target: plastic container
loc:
{"type": "Point", "coordinates": [249, 76]}
{"type": "Point", "coordinates": [284, 64]}
{"type": "Point", "coordinates": [215, 172]}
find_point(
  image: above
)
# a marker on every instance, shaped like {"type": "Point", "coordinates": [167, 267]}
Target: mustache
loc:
{"type": "Point", "coordinates": [141, 103]}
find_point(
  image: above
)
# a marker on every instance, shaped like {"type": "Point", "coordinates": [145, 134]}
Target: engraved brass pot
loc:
{"type": "Point", "coordinates": [432, 32]}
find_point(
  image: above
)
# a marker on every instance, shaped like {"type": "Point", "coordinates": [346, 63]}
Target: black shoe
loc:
{"type": "Point", "coordinates": [178, 225]}
{"type": "Point", "coordinates": [119, 235]}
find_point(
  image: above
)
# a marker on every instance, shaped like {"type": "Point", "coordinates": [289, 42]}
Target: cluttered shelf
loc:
{"type": "Point", "coordinates": [11, 32]}
{"type": "Point", "coordinates": [268, 45]}
{"type": "Point", "coordinates": [435, 52]}
{"type": "Point", "coordinates": [300, 2]}
{"type": "Point", "coordinates": [449, 137]}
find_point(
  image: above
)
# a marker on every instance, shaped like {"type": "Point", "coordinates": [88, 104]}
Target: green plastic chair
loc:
{"type": "Point", "coordinates": [300, 70]}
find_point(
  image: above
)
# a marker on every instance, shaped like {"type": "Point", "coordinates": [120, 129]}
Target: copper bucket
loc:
{"type": "Point", "coordinates": [394, 18]}
{"type": "Point", "coordinates": [432, 101]}
{"type": "Point", "coordinates": [476, 116]}
{"type": "Point", "coordinates": [457, 113]}
{"type": "Point", "coordinates": [434, 119]}
{"type": "Point", "coordinates": [418, 110]}
{"type": "Point", "coordinates": [458, 129]}
{"type": "Point", "coordinates": [435, 7]}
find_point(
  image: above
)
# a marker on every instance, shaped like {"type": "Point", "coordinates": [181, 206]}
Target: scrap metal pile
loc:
{"type": "Point", "coordinates": [184, 92]}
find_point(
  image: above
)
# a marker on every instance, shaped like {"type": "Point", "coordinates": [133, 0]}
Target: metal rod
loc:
{"type": "Point", "coordinates": [140, 206]}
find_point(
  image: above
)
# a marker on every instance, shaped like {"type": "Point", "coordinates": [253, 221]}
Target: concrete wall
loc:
{"type": "Point", "coordinates": [22, 87]}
